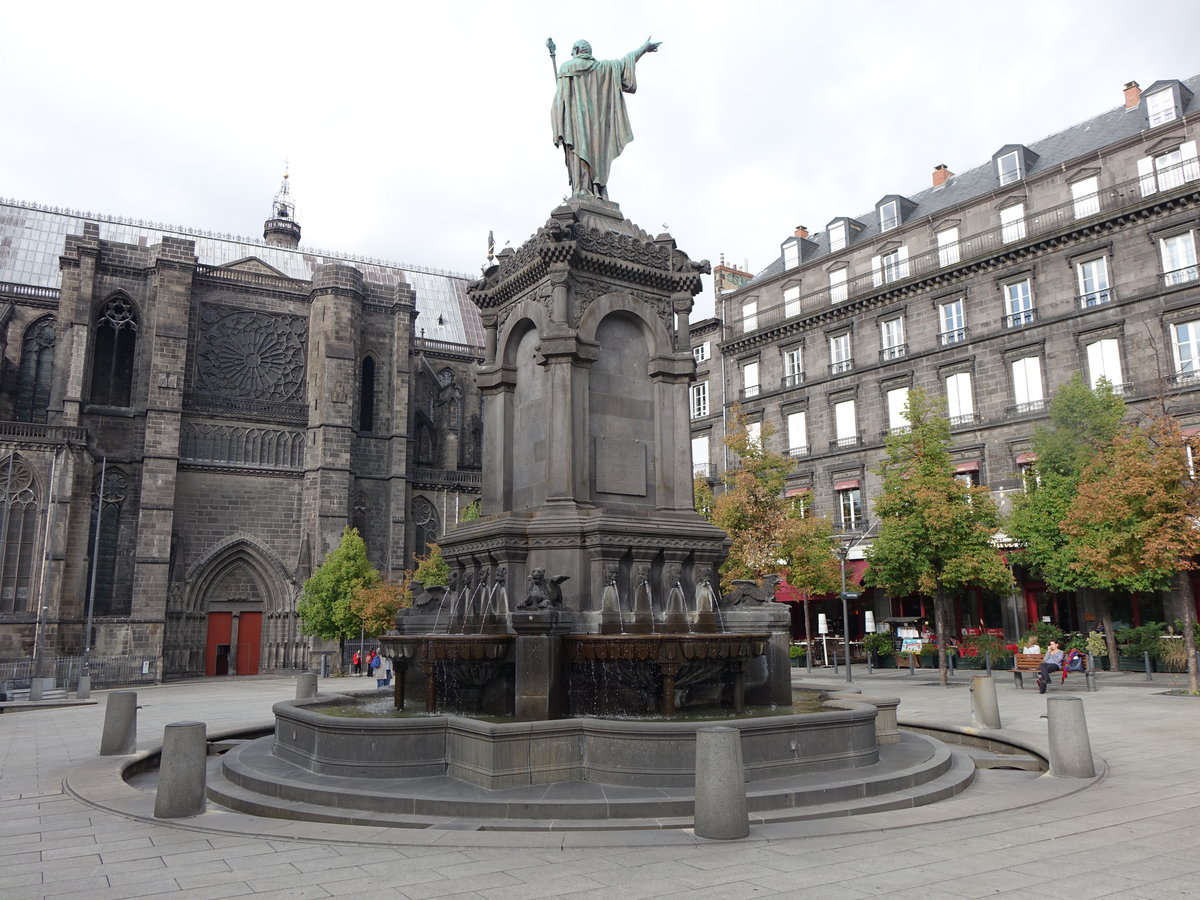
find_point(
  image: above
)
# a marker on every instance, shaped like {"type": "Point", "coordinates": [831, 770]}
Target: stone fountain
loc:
{"type": "Point", "coordinates": [587, 521]}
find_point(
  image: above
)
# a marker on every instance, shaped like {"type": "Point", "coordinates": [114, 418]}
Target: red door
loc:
{"type": "Point", "coordinates": [249, 638]}
{"type": "Point", "coordinates": [216, 648]}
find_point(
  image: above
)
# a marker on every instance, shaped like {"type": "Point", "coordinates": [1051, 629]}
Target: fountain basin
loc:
{"type": "Point", "coordinates": [512, 754]}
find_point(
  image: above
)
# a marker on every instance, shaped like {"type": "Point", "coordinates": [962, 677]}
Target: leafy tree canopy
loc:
{"type": "Point", "coordinates": [324, 606]}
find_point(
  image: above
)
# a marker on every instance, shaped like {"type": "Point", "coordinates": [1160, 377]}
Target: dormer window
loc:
{"type": "Point", "coordinates": [1164, 102]}
{"type": "Point", "coordinates": [791, 254]}
{"type": "Point", "coordinates": [889, 215]}
{"type": "Point", "coordinates": [837, 237]}
{"type": "Point", "coordinates": [1008, 167]}
{"type": "Point", "coordinates": [1160, 107]}
{"type": "Point", "coordinates": [1013, 162]}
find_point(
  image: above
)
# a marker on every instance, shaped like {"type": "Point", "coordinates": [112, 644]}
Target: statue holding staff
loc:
{"type": "Point", "coordinates": [588, 116]}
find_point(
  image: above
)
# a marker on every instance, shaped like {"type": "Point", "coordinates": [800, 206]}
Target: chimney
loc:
{"type": "Point", "coordinates": [941, 174]}
{"type": "Point", "coordinates": [801, 231]}
{"type": "Point", "coordinates": [1133, 95]}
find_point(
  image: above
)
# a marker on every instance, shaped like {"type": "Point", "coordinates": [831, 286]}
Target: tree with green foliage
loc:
{"type": "Point", "coordinates": [936, 532]}
{"type": "Point", "coordinates": [325, 608]}
{"type": "Point", "coordinates": [1083, 424]}
{"type": "Point", "coordinates": [1133, 520]}
{"type": "Point", "coordinates": [769, 532]}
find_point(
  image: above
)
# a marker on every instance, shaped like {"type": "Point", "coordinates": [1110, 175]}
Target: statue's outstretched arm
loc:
{"type": "Point", "coordinates": [648, 47]}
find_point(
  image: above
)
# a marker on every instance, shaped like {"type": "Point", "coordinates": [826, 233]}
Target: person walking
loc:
{"type": "Point", "coordinates": [357, 663]}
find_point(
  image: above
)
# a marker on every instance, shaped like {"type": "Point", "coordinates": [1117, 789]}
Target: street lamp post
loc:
{"type": "Point", "coordinates": [843, 551]}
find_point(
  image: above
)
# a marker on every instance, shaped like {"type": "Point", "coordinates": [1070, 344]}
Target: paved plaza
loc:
{"type": "Point", "coordinates": [1136, 833]}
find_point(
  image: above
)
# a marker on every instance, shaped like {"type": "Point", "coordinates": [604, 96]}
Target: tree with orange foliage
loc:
{"type": "Point", "coordinates": [1135, 519]}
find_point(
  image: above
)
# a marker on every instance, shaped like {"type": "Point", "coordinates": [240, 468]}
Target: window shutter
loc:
{"type": "Point", "coordinates": [1146, 175]}
{"type": "Point", "coordinates": [876, 271]}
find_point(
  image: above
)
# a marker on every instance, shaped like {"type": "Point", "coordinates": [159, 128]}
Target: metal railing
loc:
{"type": "Point", "coordinates": [955, 336]}
{"type": "Point", "coordinates": [106, 671]}
{"type": "Point", "coordinates": [1096, 298]}
{"type": "Point", "coordinates": [797, 452]}
{"type": "Point", "coordinates": [1111, 200]}
{"type": "Point", "coordinates": [1020, 318]}
{"type": "Point", "coordinates": [1022, 409]}
{"type": "Point", "coordinates": [52, 434]}
{"type": "Point", "coordinates": [794, 380]}
{"type": "Point", "coordinates": [896, 352]}
{"type": "Point", "coordinates": [839, 368]}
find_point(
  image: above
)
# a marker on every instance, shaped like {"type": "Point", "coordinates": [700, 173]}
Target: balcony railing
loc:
{"type": "Point", "coordinates": [1096, 298]}
{"type": "Point", "coordinates": [750, 390]}
{"type": "Point", "coordinates": [1114, 199]}
{"type": "Point", "coordinates": [1181, 276]}
{"type": "Point", "coordinates": [843, 443]}
{"type": "Point", "coordinates": [794, 380]}
{"type": "Point", "coordinates": [899, 429]}
{"type": "Point", "coordinates": [840, 368]}
{"type": "Point", "coordinates": [797, 452]}
{"type": "Point", "coordinates": [1020, 319]}
{"type": "Point", "coordinates": [965, 419]}
{"type": "Point", "coordinates": [954, 336]}
{"type": "Point", "coordinates": [1186, 379]}
{"type": "Point", "coordinates": [1027, 408]}
{"type": "Point", "coordinates": [38, 431]}
{"type": "Point", "coordinates": [704, 470]}
{"type": "Point", "coordinates": [896, 352]}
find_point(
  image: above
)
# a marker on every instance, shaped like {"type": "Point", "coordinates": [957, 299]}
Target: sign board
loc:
{"type": "Point", "coordinates": [852, 595]}
{"type": "Point", "coordinates": [870, 621]}
{"type": "Point", "coordinates": [822, 624]}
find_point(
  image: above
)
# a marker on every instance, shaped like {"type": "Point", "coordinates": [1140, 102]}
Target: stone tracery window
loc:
{"type": "Point", "coordinates": [114, 342]}
{"type": "Point", "coordinates": [104, 561]}
{"type": "Point", "coordinates": [37, 368]}
{"type": "Point", "coordinates": [425, 525]}
{"type": "Point", "coordinates": [18, 534]}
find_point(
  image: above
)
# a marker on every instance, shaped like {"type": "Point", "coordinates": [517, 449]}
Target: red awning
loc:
{"type": "Point", "coordinates": [1025, 458]}
{"type": "Point", "coordinates": [848, 485]}
{"type": "Point", "coordinates": [855, 570]}
{"type": "Point", "coordinates": [967, 467]}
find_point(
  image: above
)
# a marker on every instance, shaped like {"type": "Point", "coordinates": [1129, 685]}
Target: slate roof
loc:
{"type": "Point", "coordinates": [33, 237]}
{"type": "Point", "coordinates": [1078, 140]}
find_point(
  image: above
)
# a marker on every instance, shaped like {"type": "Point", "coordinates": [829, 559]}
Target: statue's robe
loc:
{"type": "Point", "coordinates": [589, 116]}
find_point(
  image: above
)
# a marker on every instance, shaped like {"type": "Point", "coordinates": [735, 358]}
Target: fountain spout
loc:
{"type": "Point", "coordinates": [707, 609]}
{"type": "Point", "coordinates": [675, 617]}
{"type": "Point", "coordinates": [611, 618]}
{"type": "Point", "coordinates": [643, 602]}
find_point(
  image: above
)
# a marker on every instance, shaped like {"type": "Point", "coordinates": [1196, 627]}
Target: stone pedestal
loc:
{"type": "Point", "coordinates": [721, 811]}
{"type": "Point", "coordinates": [182, 771]}
{"type": "Point", "coordinates": [539, 663]}
{"type": "Point", "coordinates": [119, 737]}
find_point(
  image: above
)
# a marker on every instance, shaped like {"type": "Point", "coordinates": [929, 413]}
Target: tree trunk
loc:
{"type": "Point", "coordinates": [1110, 639]}
{"type": "Point", "coordinates": [341, 656]}
{"type": "Point", "coordinates": [1189, 629]}
{"type": "Point", "coordinates": [941, 625]}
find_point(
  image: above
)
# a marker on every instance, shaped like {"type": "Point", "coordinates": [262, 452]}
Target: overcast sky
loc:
{"type": "Point", "coordinates": [412, 129]}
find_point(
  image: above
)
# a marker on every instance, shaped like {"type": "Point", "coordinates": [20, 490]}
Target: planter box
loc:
{"type": "Point", "coordinates": [1133, 664]}
{"type": "Point", "coordinates": [884, 662]}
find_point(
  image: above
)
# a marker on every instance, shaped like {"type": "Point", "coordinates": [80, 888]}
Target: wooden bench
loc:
{"type": "Point", "coordinates": [1030, 662]}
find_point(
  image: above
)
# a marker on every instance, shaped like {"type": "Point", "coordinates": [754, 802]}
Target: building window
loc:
{"type": "Point", "coordinates": [1027, 384]}
{"type": "Point", "coordinates": [837, 237]}
{"type": "Point", "coordinates": [1104, 361]}
{"type": "Point", "coordinates": [793, 367]}
{"type": "Point", "coordinates": [968, 476]}
{"type": "Point", "coordinates": [702, 352]}
{"type": "Point", "coordinates": [699, 398]}
{"type": "Point", "coordinates": [750, 380]}
{"type": "Point", "coordinates": [891, 337]}
{"type": "Point", "coordinates": [1012, 223]}
{"type": "Point", "coordinates": [797, 434]}
{"type": "Point", "coordinates": [837, 286]}
{"type": "Point", "coordinates": [1179, 258]}
{"type": "Point", "coordinates": [845, 424]}
{"type": "Point", "coordinates": [840, 359]}
{"type": "Point", "coordinates": [701, 468]}
{"type": "Point", "coordinates": [1168, 170]}
{"type": "Point", "coordinates": [114, 342]}
{"type": "Point", "coordinates": [19, 534]}
{"type": "Point", "coordinates": [889, 267]}
{"type": "Point", "coordinates": [791, 301]}
{"type": "Point", "coordinates": [1160, 107]}
{"type": "Point", "coordinates": [960, 402]}
{"type": "Point", "coordinates": [953, 322]}
{"type": "Point", "coordinates": [1185, 343]}
{"type": "Point", "coordinates": [1093, 282]}
{"type": "Point", "coordinates": [1085, 198]}
{"type": "Point", "coordinates": [749, 315]}
{"type": "Point", "coordinates": [889, 215]}
{"type": "Point", "coordinates": [37, 368]}
{"type": "Point", "coordinates": [897, 403]}
{"type": "Point", "coordinates": [754, 435]}
{"type": "Point", "coordinates": [366, 395]}
{"type": "Point", "coordinates": [1018, 300]}
{"type": "Point", "coordinates": [1008, 167]}
{"type": "Point", "coordinates": [791, 254]}
{"type": "Point", "coordinates": [108, 547]}
{"type": "Point", "coordinates": [849, 504]}
{"type": "Point", "coordinates": [948, 248]}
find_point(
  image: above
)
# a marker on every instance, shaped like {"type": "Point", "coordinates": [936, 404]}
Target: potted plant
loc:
{"type": "Point", "coordinates": [1097, 646]}
{"type": "Point", "coordinates": [1134, 643]}
{"type": "Point", "coordinates": [881, 649]}
{"type": "Point", "coordinates": [929, 655]}
{"type": "Point", "coordinates": [796, 654]}
{"type": "Point", "coordinates": [978, 647]}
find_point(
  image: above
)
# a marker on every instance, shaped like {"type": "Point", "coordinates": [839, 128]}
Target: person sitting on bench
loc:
{"type": "Point", "coordinates": [1051, 662]}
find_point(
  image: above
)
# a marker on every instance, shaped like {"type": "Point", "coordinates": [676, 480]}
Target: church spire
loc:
{"type": "Point", "coordinates": [282, 230]}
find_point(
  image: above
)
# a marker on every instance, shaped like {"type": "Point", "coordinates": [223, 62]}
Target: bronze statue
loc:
{"type": "Point", "coordinates": [588, 116]}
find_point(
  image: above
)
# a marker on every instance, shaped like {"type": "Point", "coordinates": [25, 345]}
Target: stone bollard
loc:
{"type": "Point", "coordinates": [985, 711]}
{"type": "Point", "coordinates": [182, 771]}
{"type": "Point", "coordinates": [306, 685]}
{"type": "Point", "coordinates": [83, 691]}
{"type": "Point", "coordinates": [721, 812]}
{"type": "Point", "coordinates": [119, 737]}
{"type": "Point", "coordinates": [1070, 746]}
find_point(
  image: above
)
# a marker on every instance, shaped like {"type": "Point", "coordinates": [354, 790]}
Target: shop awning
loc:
{"type": "Point", "coordinates": [855, 570]}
